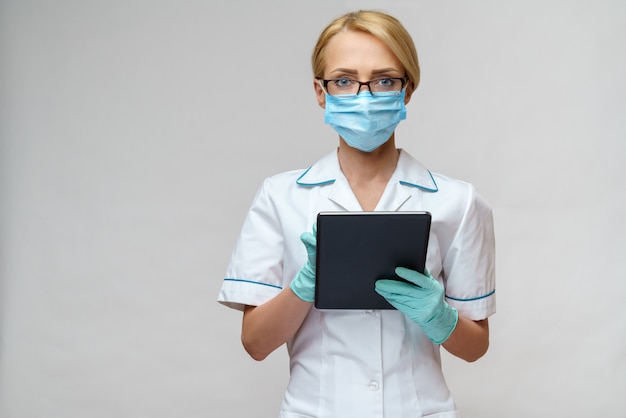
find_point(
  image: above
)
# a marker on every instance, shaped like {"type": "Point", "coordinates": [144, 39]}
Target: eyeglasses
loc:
{"type": "Point", "coordinates": [347, 86]}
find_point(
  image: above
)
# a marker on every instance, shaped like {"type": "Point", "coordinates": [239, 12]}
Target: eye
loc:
{"type": "Point", "coordinates": [343, 83]}
{"type": "Point", "coordinates": [387, 83]}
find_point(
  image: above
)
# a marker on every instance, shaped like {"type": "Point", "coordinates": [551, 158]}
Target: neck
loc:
{"type": "Point", "coordinates": [364, 166]}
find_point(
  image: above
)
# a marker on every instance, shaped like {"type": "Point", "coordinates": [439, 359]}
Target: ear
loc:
{"type": "Point", "coordinates": [408, 93]}
{"type": "Point", "coordinates": [319, 94]}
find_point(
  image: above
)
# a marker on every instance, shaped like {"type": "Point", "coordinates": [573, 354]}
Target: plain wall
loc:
{"type": "Point", "coordinates": [135, 133]}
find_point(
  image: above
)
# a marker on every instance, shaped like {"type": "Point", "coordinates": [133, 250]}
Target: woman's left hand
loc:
{"type": "Point", "coordinates": [422, 300]}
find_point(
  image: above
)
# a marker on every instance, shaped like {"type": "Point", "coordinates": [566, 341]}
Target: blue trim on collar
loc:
{"type": "Point", "coordinates": [436, 189]}
{"type": "Point", "coordinates": [312, 184]}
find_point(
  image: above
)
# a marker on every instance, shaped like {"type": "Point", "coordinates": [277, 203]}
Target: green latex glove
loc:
{"type": "Point", "coordinates": [303, 285]}
{"type": "Point", "coordinates": [423, 302]}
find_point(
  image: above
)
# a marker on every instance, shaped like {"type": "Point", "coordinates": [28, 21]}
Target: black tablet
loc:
{"type": "Point", "coordinates": [354, 249]}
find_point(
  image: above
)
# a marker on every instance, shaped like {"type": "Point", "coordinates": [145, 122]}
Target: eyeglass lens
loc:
{"type": "Point", "coordinates": [349, 86]}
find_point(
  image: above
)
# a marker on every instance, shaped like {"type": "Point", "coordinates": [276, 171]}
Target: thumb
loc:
{"type": "Point", "coordinates": [309, 241]}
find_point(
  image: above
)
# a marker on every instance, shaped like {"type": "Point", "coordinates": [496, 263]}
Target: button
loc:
{"type": "Point", "coordinates": [373, 385]}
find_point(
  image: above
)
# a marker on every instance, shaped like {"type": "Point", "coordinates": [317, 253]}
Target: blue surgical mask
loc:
{"type": "Point", "coordinates": [364, 121]}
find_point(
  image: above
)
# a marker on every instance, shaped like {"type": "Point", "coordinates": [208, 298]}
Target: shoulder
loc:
{"type": "Point", "coordinates": [446, 196]}
{"type": "Point", "coordinates": [284, 179]}
{"type": "Point", "coordinates": [459, 198]}
{"type": "Point", "coordinates": [414, 173]}
{"type": "Point", "coordinates": [324, 171]}
{"type": "Point", "coordinates": [451, 186]}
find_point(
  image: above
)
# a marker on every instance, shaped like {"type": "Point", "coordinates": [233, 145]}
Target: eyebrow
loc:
{"type": "Point", "coordinates": [375, 72]}
{"type": "Point", "coordinates": [386, 70]}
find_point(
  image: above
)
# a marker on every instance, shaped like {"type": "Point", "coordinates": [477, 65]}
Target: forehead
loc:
{"type": "Point", "coordinates": [360, 52]}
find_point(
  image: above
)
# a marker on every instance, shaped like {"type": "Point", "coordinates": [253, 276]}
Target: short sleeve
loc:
{"type": "Point", "coordinates": [469, 265]}
{"type": "Point", "coordinates": [254, 274]}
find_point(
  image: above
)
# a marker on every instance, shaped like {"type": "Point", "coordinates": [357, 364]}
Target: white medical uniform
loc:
{"type": "Point", "coordinates": [364, 364]}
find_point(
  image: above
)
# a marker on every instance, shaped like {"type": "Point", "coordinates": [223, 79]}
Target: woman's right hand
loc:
{"type": "Point", "coordinates": [268, 326]}
{"type": "Point", "coordinates": [303, 285]}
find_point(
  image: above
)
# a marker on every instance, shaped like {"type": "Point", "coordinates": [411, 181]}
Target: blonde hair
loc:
{"type": "Point", "coordinates": [381, 25]}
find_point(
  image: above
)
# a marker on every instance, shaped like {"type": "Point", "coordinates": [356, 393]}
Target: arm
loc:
{"type": "Point", "coordinates": [268, 326]}
{"type": "Point", "coordinates": [421, 298]}
{"type": "Point", "coordinates": [473, 247]}
{"type": "Point", "coordinates": [469, 340]}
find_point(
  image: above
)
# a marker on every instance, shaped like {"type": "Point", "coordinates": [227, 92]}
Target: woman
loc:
{"type": "Point", "coordinates": [364, 363]}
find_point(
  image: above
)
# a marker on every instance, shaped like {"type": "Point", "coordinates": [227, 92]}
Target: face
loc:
{"type": "Point", "coordinates": [360, 56]}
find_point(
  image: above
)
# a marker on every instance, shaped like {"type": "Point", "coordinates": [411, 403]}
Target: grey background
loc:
{"type": "Point", "coordinates": [135, 133]}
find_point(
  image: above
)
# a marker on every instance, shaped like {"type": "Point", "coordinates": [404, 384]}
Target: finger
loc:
{"type": "Point", "coordinates": [308, 239]}
{"type": "Point", "coordinates": [415, 277]}
{"type": "Point", "coordinates": [395, 287]}
{"type": "Point", "coordinates": [399, 305]}
{"type": "Point", "coordinates": [396, 299]}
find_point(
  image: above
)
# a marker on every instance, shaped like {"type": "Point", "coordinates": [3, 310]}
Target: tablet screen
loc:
{"type": "Point", "coordinates": [354, 249]}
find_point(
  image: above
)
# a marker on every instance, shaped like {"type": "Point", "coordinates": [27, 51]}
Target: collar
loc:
{"type": "Point", "coordinates": [409, 172]}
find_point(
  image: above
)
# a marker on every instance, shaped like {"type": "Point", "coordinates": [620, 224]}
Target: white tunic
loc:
{"type": "Point", "coordinates": [364, 363]}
